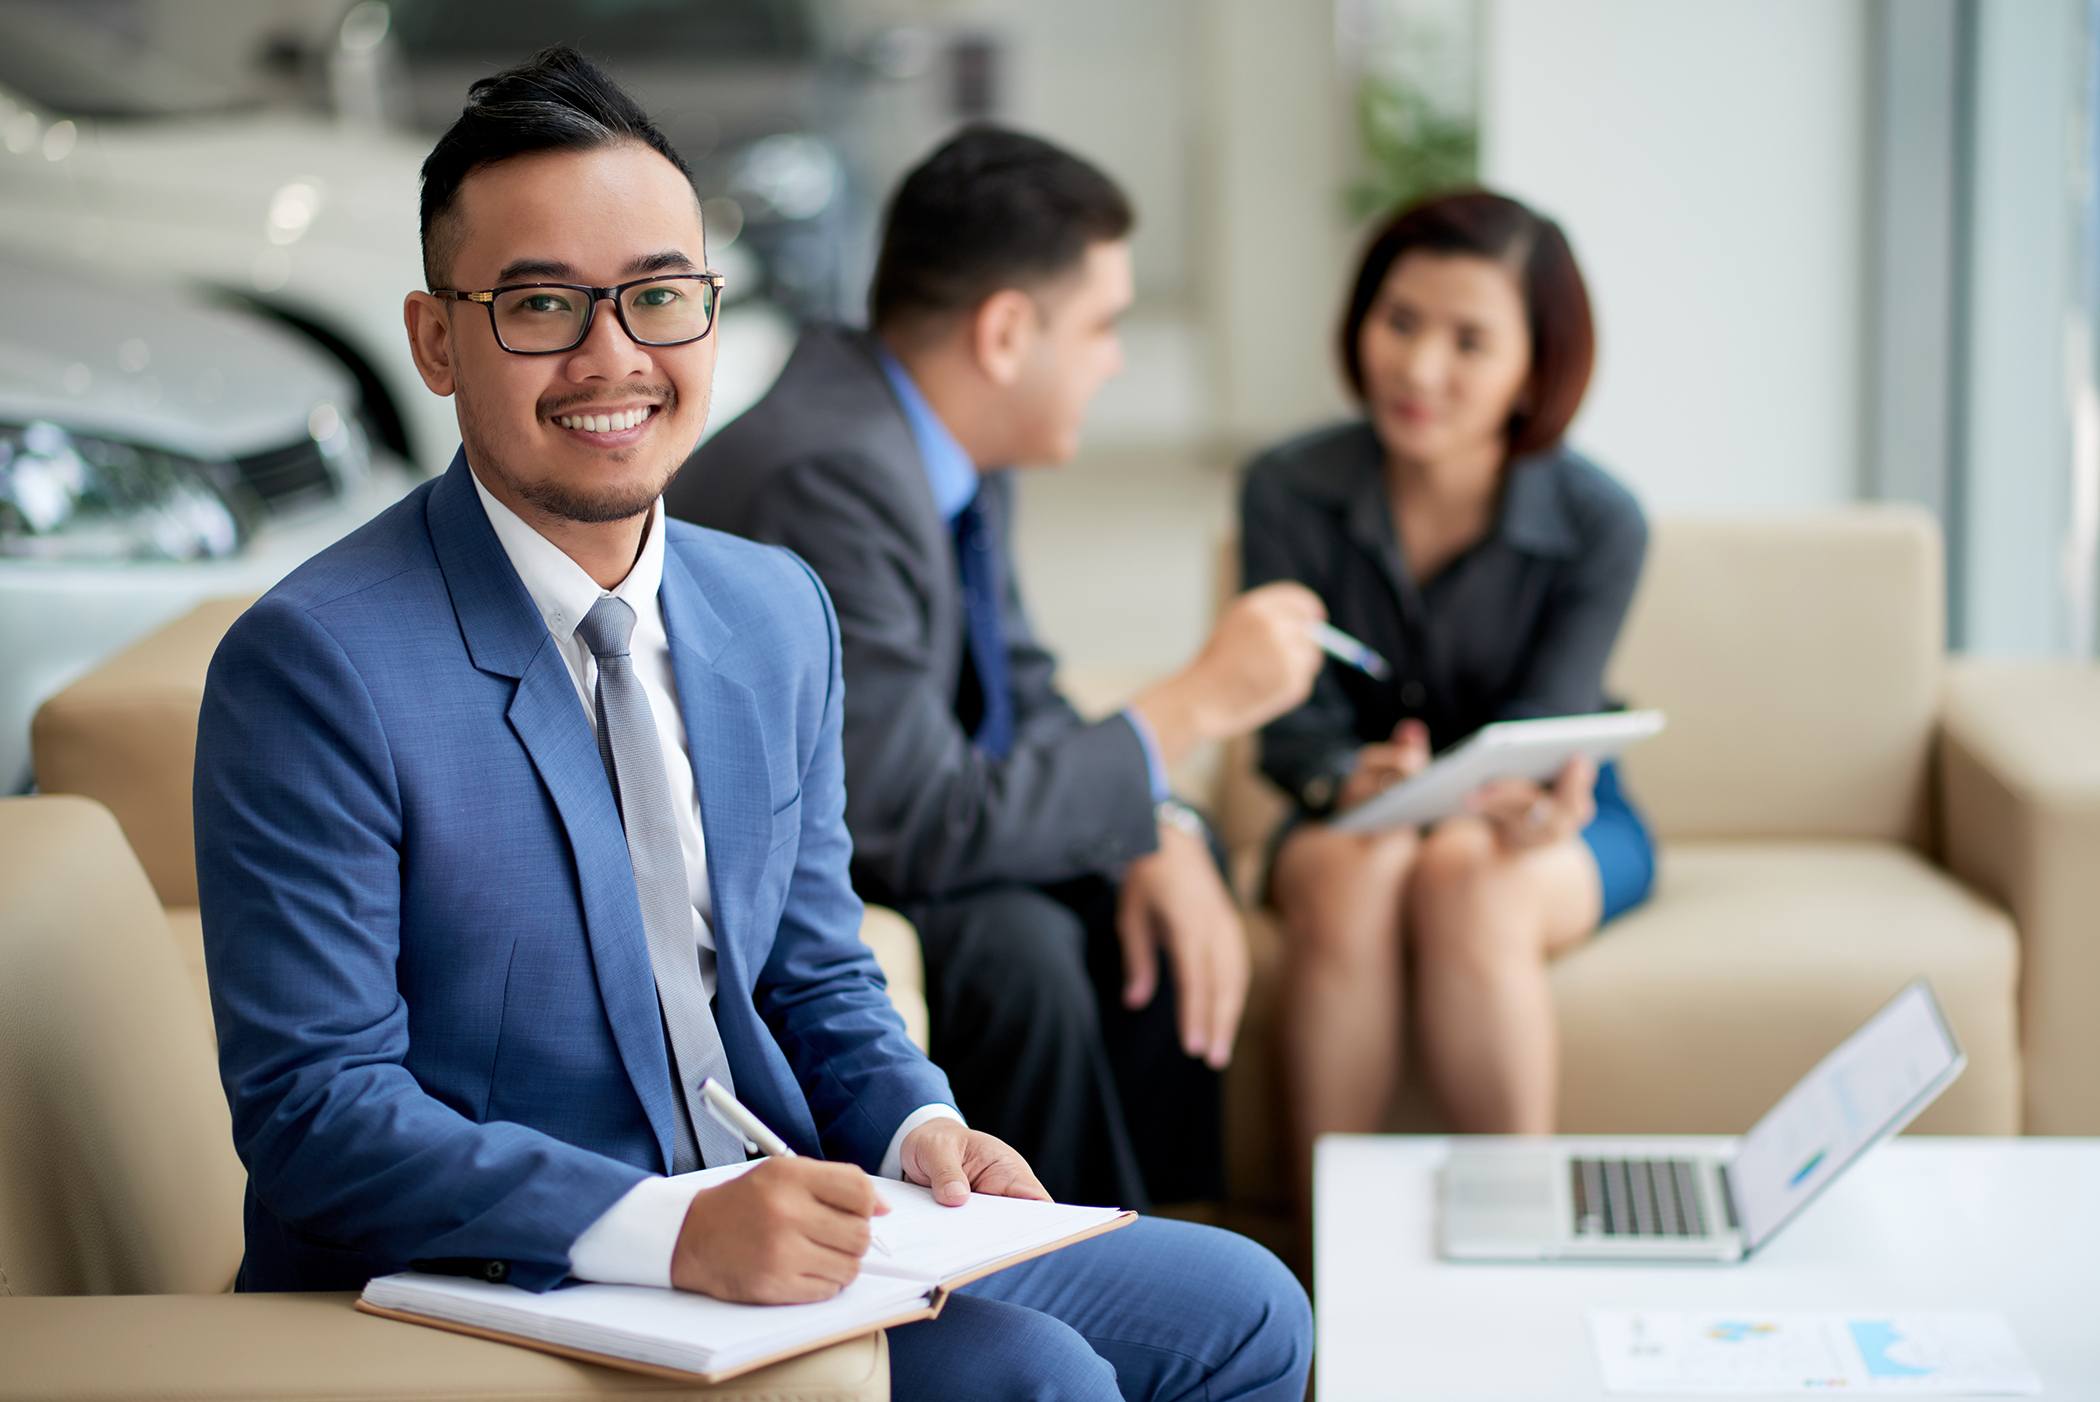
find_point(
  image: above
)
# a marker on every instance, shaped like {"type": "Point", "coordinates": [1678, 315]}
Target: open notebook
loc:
{"type": "Point", "coordinates": [930, 1251]}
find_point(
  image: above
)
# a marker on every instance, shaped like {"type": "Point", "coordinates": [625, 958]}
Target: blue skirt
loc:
{"type": "Point", "coordinates": [1618, 838]}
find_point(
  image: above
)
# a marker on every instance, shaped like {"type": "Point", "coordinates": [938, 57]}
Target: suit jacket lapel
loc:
{"type": "Point", "coordinates": [506, 636]}
{"type": "Point", "coordinates": [726, 745]}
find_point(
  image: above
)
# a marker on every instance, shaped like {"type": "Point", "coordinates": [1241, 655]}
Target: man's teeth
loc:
{"type": "Point", "coordinates": [603, 423]}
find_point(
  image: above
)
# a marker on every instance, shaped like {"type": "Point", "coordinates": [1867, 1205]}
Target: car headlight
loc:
{"type": "Point", "coordinates": [78, 497]}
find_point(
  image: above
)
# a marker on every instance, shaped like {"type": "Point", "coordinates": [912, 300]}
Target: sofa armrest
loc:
{"type": "Point", "coordinates": [89, 1348]}
{"type": "Point", "coordinates": [125, 735]}
{"type": "Point", "coordinates": [2020, 820]}
{"type": "Point", "coordinates": [895, 945]}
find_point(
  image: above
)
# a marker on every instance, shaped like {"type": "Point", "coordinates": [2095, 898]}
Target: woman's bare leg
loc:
{"type": "Point", "coordinates": [1483, 922]}
{"type": "Point", "coordinates": [1340, 897]}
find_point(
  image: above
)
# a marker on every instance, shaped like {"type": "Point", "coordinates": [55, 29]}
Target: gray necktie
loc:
{"type": "Point", "coordinates": [634, 761]}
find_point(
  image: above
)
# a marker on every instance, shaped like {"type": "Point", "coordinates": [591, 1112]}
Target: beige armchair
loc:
{"type": "Point", "coordinates": [1840, 808]}
{"type": "Point", "coordinates": [117, 1172]}
{"type": "Point", "coordinates": [120, 1196]}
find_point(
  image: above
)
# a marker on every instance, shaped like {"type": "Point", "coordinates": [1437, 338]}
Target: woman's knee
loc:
{"type": "Point", "coordinates": [1339, 895]}
{"type": "Point", "coordinates": [1466, 900]}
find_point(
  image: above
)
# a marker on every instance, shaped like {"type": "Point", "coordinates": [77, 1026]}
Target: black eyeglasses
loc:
{"type": "Point", "coordinates": [547, 318]}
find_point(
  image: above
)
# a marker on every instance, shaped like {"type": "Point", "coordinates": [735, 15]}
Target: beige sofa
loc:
{"type": "Point", "coordinates": [1840, 808]}
{"type": "Point", "coordinates": [120, 1196]}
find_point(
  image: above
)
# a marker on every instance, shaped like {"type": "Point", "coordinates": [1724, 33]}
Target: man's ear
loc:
{"type": "Point", "coordinates": [429, 340]}
{"type": "Point", "coordinates": [1002, 330]}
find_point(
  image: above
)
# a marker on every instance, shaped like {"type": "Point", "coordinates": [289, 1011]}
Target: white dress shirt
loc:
{"type": "Point", "coordinates": [631, 1243]}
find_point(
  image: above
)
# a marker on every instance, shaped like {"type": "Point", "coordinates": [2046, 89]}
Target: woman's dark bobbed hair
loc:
{"type": "Point", "coordinates": [1483, 224]}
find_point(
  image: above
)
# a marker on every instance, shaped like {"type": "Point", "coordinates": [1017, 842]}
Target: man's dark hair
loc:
{"type": "Point", "coordinates": [557, 100]}
{"type": "Point", "coordinates": [991, 209]}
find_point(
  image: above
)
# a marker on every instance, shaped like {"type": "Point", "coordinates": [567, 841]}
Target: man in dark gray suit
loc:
{"type": "Point", "coordinates": [1042, 858]}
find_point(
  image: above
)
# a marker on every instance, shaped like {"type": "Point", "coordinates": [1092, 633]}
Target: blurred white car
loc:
{"type": "Point", "coordinates": [112, 154]}
{"type": "Point", "coordinates": [155, 450]}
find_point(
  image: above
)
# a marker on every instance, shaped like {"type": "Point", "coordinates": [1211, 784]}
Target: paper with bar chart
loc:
{"type": "Point", "coordinates": [1866, 1353]}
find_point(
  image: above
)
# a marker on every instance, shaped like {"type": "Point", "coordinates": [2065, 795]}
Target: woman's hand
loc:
{"type": "Point", "coordinates": [1524, 815]}
{"type": "Point", "coordinates": [1379, 767]}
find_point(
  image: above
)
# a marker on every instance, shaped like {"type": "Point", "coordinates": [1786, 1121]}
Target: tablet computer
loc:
{"type": "Point", "coordinates": [1511, 749]}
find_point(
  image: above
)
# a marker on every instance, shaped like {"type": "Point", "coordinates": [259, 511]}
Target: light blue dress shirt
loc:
{"type": "Point", "coordinates": [952, 476]}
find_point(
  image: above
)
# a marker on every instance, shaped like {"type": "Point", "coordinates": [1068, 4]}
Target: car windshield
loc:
{"type": "Point", "coordinates": [74, 69]}
{"type": "Point", "coordinates": [720, 29]}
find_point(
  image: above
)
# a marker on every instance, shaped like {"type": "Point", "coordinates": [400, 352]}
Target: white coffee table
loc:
{"type": "Point", "coordinates": [2011, 1225]}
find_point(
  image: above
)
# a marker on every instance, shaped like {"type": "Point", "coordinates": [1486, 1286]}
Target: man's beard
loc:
{"type": "Point", "coordinates": [616, 501]}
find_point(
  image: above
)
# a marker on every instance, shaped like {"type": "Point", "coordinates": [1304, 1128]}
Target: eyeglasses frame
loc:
{"type": "Point", "coordinates": [487, 299]}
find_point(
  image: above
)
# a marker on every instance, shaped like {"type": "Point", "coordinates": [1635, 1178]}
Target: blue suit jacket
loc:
{"type": "Point", "coordinates": [438, 1029]}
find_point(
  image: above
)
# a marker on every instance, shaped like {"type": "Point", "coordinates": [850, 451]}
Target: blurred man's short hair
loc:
{"type": "Point", "coordinates": [991, 209]}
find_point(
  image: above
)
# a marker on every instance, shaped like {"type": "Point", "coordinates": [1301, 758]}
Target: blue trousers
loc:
{"type": "Point", "coordinates": [1158, 1310]}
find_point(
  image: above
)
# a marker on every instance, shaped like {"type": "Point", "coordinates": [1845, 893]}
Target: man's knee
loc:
{"type": "Point", "coordinates": [986, 1348]}
{"type": "Point", "coordinates": [1270, 1315]}
{"type": "Point", "coordinates": [1017, 956]}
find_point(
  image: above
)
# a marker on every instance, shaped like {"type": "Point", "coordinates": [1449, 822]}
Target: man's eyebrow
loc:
{"type": "Point", "coordinates": [535, 268]}
{"type": "Point", "coordinates": [662, 261]}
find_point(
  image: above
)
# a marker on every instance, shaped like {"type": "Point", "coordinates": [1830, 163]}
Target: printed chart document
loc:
{"type": "Point", "coordinates": [928, 1251]}
{"type": "Point", "coordinates": [1882, 1354]}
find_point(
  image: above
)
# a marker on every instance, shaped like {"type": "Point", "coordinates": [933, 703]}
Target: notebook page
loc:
{"type": "Point", "coordinates": [670, 1328]}
{"type": "Point", "coordinates": [931, 1243]}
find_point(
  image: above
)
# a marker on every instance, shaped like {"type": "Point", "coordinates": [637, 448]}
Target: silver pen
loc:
{"type": "Point", "coordinates": [729, 1112]}
{"type": "Point", "coordinates": [1343, 648]}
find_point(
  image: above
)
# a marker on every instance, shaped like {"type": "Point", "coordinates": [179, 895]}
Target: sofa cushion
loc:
{"type": "Point", "coordinates": [1694, 1013]}
{"type": "Point", "coordinates": [1800, 664]}
{"type": "Point", "coordinates": [117, 1170]}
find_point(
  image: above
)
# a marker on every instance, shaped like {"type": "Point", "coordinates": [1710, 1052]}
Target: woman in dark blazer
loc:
{"type": "Point", "coordinates": [1451, 531]}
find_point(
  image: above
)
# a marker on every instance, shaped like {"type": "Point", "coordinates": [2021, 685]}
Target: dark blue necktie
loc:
{"type": "Point", "coordinates": [977, 553]}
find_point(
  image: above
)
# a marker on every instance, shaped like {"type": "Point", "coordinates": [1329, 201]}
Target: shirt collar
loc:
{"type": "Point", "coordinates": [949, 471]}
{"type": "Point", "coordinates": [1532, 516]}
{"type": "Point", "coordinates": [559, 587]}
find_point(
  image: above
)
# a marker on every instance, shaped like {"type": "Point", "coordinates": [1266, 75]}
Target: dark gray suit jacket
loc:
{"type": "Point", "coordinates": [826, 465]}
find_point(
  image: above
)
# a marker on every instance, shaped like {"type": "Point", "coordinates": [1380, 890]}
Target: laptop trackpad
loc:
{"type": "Point", "coordinates": [1501, 1196]}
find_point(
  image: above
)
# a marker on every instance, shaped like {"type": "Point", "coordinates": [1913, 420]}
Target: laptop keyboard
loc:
{"type": "Point", "coordinates": [1637, 1198]}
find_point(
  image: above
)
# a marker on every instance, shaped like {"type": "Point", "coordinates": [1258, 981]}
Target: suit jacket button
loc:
{"type": "Point", "coordinates": [497, 1271]}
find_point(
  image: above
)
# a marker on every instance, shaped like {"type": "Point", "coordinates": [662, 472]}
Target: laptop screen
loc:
{"type": "Point", "coordinates": [1870, 1087]}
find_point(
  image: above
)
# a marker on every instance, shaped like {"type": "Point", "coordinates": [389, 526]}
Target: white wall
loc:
{"type": "Point", "coordinates": [1276, 157]}
{"type": "Point", "coordinates": [1709, 162]}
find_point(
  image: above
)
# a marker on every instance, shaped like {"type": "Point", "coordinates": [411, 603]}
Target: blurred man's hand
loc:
{"type": "Point", "coordinates": [1174, 901]}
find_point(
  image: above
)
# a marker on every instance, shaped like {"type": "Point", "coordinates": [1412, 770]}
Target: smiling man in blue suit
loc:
{"type": "Point", "coordinates": [520, 811]}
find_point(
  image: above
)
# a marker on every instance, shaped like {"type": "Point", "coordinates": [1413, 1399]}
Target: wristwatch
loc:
{"type": "Point", "coordinates": [1173, 813]}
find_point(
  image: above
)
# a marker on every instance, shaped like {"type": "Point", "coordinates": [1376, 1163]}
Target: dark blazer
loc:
{"type": "Point", "coordinates": [1519, 626]}
{"type": "Point", "coordinates": [438, 1027]}
{"type": "Point", "coordinates": [826, 465]}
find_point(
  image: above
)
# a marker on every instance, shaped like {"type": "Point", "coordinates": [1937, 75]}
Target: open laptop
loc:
{"type": "Point", "coordinates": [1640, 1199]}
